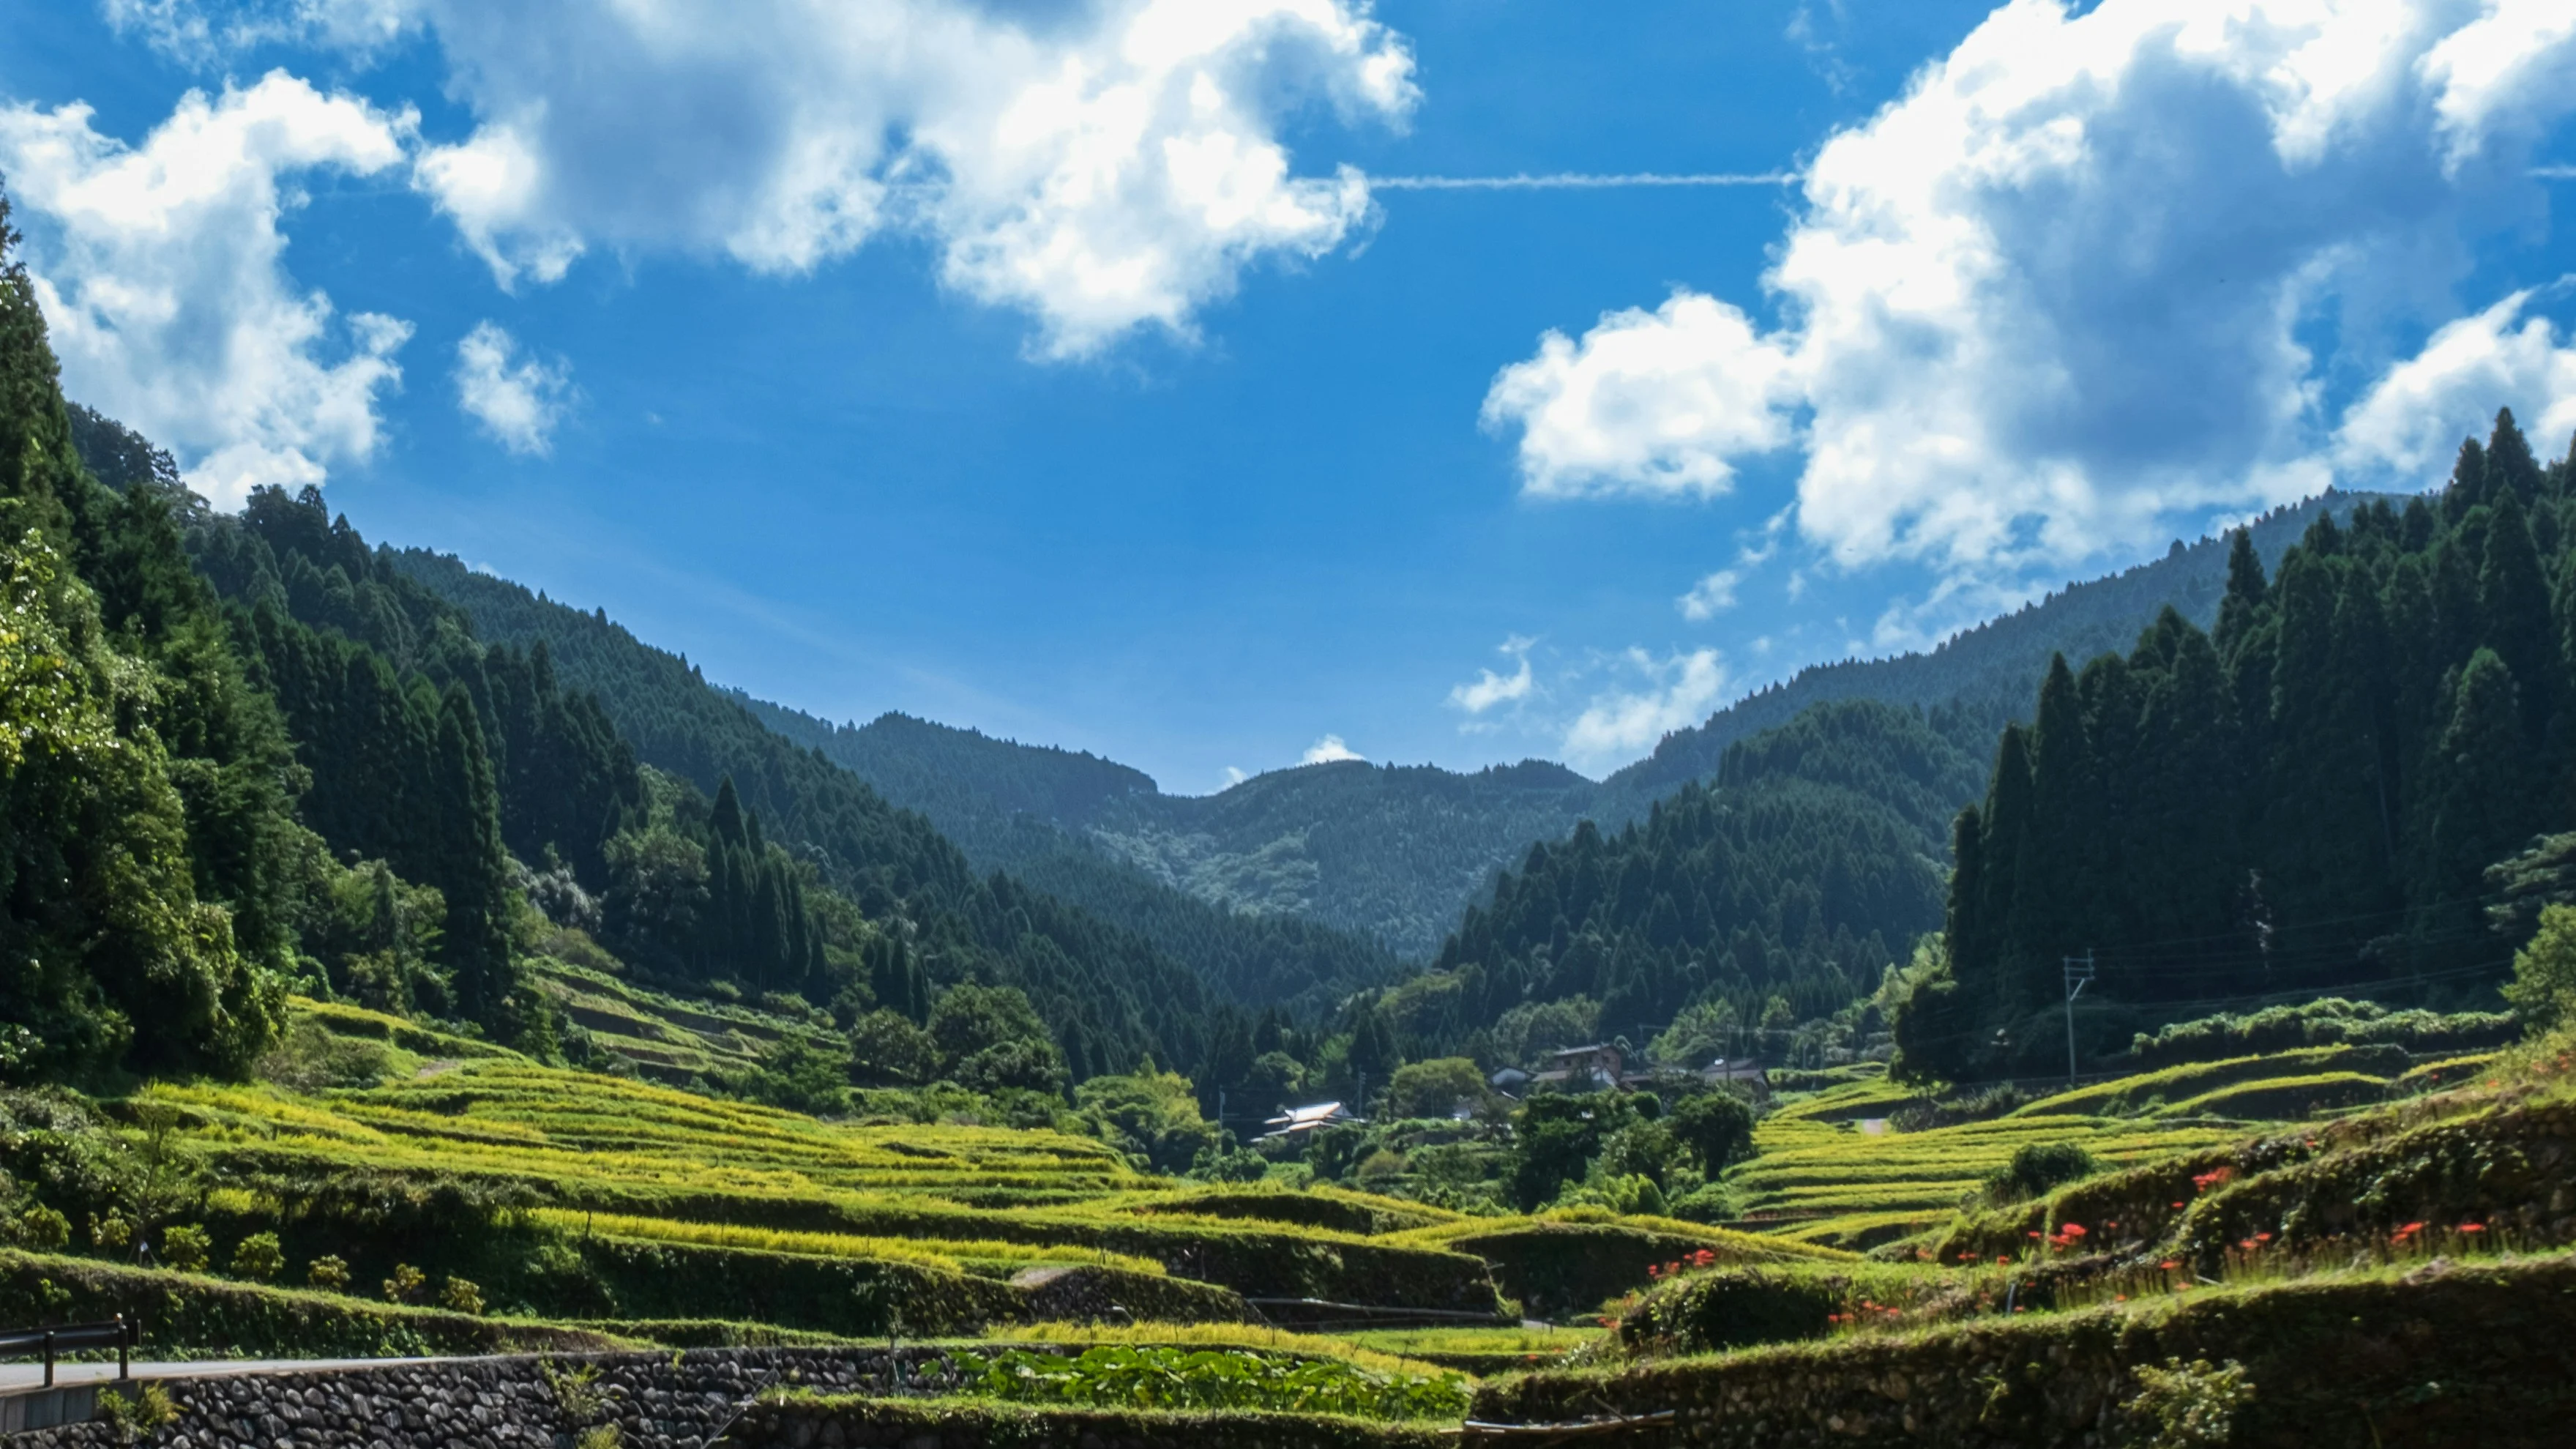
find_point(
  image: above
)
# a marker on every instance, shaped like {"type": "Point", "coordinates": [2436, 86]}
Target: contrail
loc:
{"type": "Point", "coordinates": [1576, 180]}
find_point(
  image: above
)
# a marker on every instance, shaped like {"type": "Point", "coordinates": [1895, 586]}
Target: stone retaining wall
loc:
{"type": "Point", "coordinates": [680, 1400]}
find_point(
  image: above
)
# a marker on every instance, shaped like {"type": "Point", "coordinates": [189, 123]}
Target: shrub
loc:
{"type": "Point", "coordinates": [405, 1285]}
{"type": "Point", "coordinates": [1382, 1163]}
{"type": "Point", "coordinates": [188, 1248]}
{"type": "Point", "coordinates": [328, 1271]}
{"type": "Point", "coordinates": [257, 1258]}
{"type": "Point", "coordinates": [461, 1296]}
{"type": "Point", "coordinates": [2186, 1405]}
{"type": "Point", "coordinates": [1437, 1088]}
{"type": "Point", "coordinates": [2544, 972]}
{"type": "Point", "coordinates": [44, 1229]}
{"type": "Point", "coordinates": [2037, 1167]}
{"type": "Point", "coordinates": [111, 1233]}
{"type": "Point", "coordinates": [147, 1410]}
{"type": "Point", "coordinates": [1715, 1127]}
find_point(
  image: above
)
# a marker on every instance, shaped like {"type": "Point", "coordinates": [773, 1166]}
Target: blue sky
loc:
{"type": "Point", "coordinates": [1086, 374]}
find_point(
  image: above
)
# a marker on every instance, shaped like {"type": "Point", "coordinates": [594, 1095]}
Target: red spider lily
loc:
{"type": "Point", "coordinates": [1653, 1271]}
{"type": "Point", "coordinates": [2177, 1204]}
{"type": "Point", "coordinates": [1703, 1258]}
{"type": "Point", "coordinates": [2072, 1230]}
{"type": "Point", "coordinates": [2170, 1264]}
{"type": "Point", "coordinates": [2473, 1227]}
{"type": "Point", "coordinates": [2034, 1232]}
{"type": "Point", "coordinates": [2249, 1245]}
{"type": "Point", "coordinates": [2119, 1297]}
{"type": "Point", "coordinates": [2003, 1257]}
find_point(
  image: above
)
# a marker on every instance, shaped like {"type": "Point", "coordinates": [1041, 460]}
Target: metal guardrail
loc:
{"type": "Point", "coordinates": [119, 1333]}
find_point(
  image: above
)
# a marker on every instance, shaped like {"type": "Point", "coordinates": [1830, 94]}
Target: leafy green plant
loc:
{"type": "Point", "coordinates": [576, 1391]}
{"type": "Point", "coordinates": [2185, 1405]}
{"type": "Point", "coordinates": [2036, 1167]}
{"type": "Point", "coordinates": [599, 1436]}
{"type": "Point", "coordinates": [461, 1295]}
{"type": "Point", "coordinates": [405, 1285]}
{"type": "Point", "coordinates": [44, 1229]}
{"type": "Point", "coordinates": [110, 1233]}
{"type": "Point", "coordinates": [1152, 1377]}
{"type": "Point", "coordinates": [328, 1271]}
{"type": "Point", "coordinates": [188, 1248]}
{"type": "Point", "coordinates": [147, 1409]}
{"type": "Point", "coordinates": [257, 1258]}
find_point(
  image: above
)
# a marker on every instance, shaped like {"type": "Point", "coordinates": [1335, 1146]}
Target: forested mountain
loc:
{"type": "Point", "coordinates": [887, 857]}
{"type": "Point", "coordinates": [2307, 797]}
{"type": "Point", "coordinates": [1776, 894]}
{"type": "Point", "coordinates": [1987, 673]}
{"type": "Point", "coordinates": [1396, 853]}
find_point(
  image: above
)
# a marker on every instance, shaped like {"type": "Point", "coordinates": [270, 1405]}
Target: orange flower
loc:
{"type": "Point", "coordinates": [2473, 1227]}
{"type": "Point", "coordinates": [2170, 1264]}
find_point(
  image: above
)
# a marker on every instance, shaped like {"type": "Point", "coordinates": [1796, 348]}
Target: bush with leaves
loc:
{"type": "Point", "coordinates": [1716, 1128]}
{"type": "Point", "coordinates": [2038, 1167]}
{"type": "Point", "coordinates": [2185, 1405]}
{"type": "Point", "coordinates": [328, 1272]}
{"type": "Point", "coordinates": [43, 1229]}
{"type": "Point", "coordinates": [460, 1295]}
{"type": "Point", "coordinates": [188, 1248]}
{"type": "Point", "coordinates": [258, 1258]}
{"type": "Point", "coordinates": [405, 1285]}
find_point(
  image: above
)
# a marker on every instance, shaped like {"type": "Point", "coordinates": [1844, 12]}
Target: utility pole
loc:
{"type": "Point", "coordinates": [2079, 974]}
{"type": "Point", "coordinates": [1220, 1109]}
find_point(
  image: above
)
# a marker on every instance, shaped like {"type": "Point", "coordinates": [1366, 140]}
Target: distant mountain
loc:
{"type": "Point", "coordinates": [1396, 853]}
{"type": "Point", "coordinates": [992, 800]}
{"type": "Point", "coordinates": [1990, 673]}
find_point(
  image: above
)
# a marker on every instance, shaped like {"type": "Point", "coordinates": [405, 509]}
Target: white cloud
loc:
{"type": "Point", "coordinates": [518, 403]}
{"type": "Point", "coordinates": [2053, 300]}
{"type": "Point", "coordinates": [1234, 776]}
{"type": "Point", "coordinates": [1620, 725]}
{"type": "Point", "coordinates": [1105, 167]}
{"type": "Point", "coordinates": [2412, 420]}
{"type": "Point", "coordinates": [1329, 750]}
{"type": "Point", "coordinates": [1656, 402]}
{"type": "Point", "coordinates": [1709, 597]}
{"type": "Point", "coordinates": [1489, 689]}
{"type": "Point", "coordinates": [160, 271]}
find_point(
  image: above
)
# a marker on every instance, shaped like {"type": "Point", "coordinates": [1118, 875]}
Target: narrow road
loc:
{"type": "Point", "coordinates": [18, 1376]}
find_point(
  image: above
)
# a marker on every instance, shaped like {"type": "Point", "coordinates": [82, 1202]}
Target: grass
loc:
{"type": "Point", "coordinates": [930, 1252]}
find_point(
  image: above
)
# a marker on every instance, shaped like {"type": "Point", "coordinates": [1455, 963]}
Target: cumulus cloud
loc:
{"type": "Point", "coordinates": [2057, 298]}
{"type": "Point", "coordinates": [160, 272]}
{"type": "Point", "coordinates": [1710, 597]}
{"type": "Point", "coordinates": [2412, 419]}
{"type": "Point", "coordinates": [1104, 167]}
{"type": "Point", "coordinates": [1489, 689]}
{"type": "Point", "coordinates": [1618, 725]}
{"type": "Point", "coordinates": [517, 402]}
{"type": "Point", "coordinates": [1329, 750]}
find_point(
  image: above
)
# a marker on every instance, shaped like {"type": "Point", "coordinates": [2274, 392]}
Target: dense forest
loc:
{"type": "Point", "coordinates": [1395, 854]}
{"type": "Point", "coordinates": [2308, 797]}
{"type": "Point", "coordinates": [1777, 894]}
{"type": "Point", "coordinates": [1986, 673]}
{"type": "Point", "coordinates": [702, 734]}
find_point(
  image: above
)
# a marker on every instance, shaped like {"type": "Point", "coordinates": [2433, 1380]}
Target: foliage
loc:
{"type": "Point", "coordinates": [2038, 1167]}
{"type": "Point", "coordinates": [146, 1409]}
{"type": "Point", "coordinates": [187, 1247]}
{"type": "Point", "coordinates": [405, 1285]}
{"type": "Point", "coordinates": [258, 1258]}
{"type": "Point", "coordinates": [42, 1228]}
{"type": "Point", "coordinates": [328, 1272]}
{"type": "Point", "coordinates": [1437, 1087]}
{"type": "Point", "coordinates": [2186, 1405]}
{"type": "Point", "coordinates": [1153, 1377]}
{"type": "Point", "coordinates": [1716, 1128]}
{"type": "Point", "coordinates": [2322, 1022]}
{"type": "Point", "coordinates": [1152, 1115]}
{"type": "Point", "coordinates": [459, 1295]}
{"type": "Point", "coordinates": [2312, 793]}
{"type": "Point", "coordinates": [2544, 971]}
